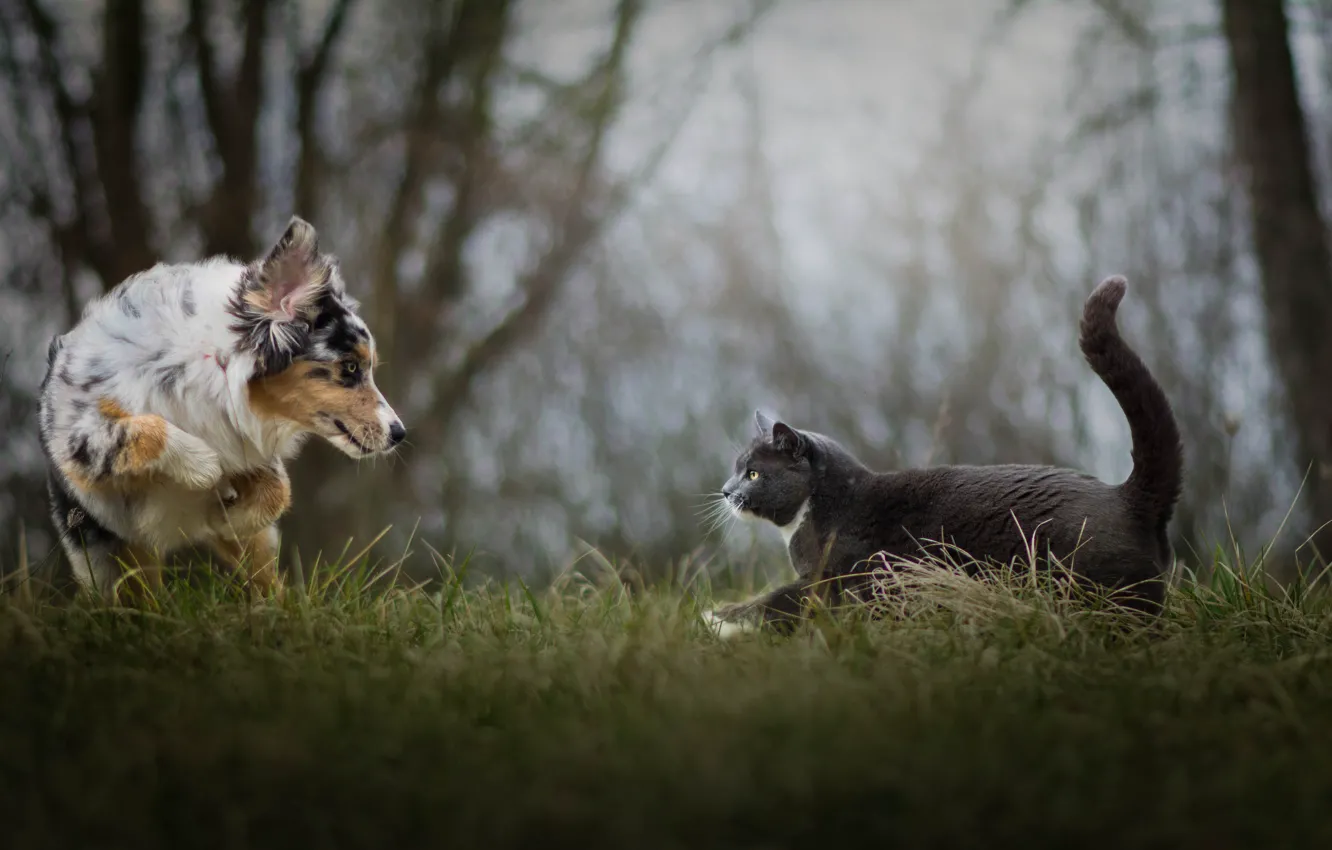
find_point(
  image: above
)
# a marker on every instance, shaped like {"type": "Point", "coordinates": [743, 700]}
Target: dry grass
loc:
{"type": "Point", "coordinates": [595, 712]}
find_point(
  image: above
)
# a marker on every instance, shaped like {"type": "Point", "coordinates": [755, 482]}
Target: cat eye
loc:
{"type": "Point", "coordinates": [753, 475]}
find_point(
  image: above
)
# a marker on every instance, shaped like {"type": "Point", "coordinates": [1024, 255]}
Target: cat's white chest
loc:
{"type": "Point", "coordinates": [789, 530]}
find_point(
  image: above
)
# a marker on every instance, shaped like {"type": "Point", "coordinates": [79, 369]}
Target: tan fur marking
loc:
{"type": "Point", "coordinates": [262, 497]}
{"type": "Point", "coordinates": [111, 409]}
{"type": "Point", "coordinates": [147, 441]}
{"type": "Point", "coordinates": [258, 299]}
{"type": "Point", "coordinates": [291, 396]}
{"type": "Point", "coordinates": [74, 475]}
{"type": "Point", "coordinates": [362, 352]}
{"type": "Point", "coordinates": [269, 493]}
{"type": "Point", "coordinates": [147, 438]}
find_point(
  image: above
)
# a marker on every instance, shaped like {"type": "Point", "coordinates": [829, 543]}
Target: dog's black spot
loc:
{"type": "Point", "coordinates": [108, 462]}
{"type": "Point", "coordinates": [95, 379]}
{"type": "Point", "coordinates": [169, 377]}
{"type": "Point", "coordinates": [187, 304]}
{"type": "Point", "coordinates": [97, 374]}
{"type": "Point", "coordinates": [57, 343]}
{"type": "Point", "coordinates": [128, 307]}
{"type": "Point", "coordinates": [81, 453]}
{"type": "Point", "coordinates": [79, 404]}
{"type": "Point", "coordinates": [155, 357]}
{"type": "Point", "coordinates": [65, 376]}
{"type": "Point", "coordinates": [340, 337]}
{"type": "Point", "coordinates": [319, 372]}
{"type": "Point", "coordinates": [336, 333]}
{"type": "Point", "coordinates": [72, 520]}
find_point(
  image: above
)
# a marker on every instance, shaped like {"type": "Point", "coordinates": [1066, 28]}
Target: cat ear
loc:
{"type": "Point", "coordinates": [293, 275]}
{"type": "Point", "coordinates": [788, 440]}
{"type": "Point", "coordinates": [762, 423]}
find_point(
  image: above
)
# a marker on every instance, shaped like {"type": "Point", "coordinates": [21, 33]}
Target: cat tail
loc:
{"type": "Point", "coordinates": [1158, 455]}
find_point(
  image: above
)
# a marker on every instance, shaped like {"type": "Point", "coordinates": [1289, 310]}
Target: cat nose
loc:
{"type": "Point", "coordinates": [396, 433]}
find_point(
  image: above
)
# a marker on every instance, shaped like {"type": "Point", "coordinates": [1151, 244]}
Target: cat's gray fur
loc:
{"type": "Point", "coordinates": [838, 515]}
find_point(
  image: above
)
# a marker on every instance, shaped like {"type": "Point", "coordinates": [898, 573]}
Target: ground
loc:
{"type": "Point", "coordinates": [603, 714]}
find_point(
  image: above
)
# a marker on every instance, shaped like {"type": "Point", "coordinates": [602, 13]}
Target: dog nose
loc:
{"type": "Point", "coordinates": [396, 433]}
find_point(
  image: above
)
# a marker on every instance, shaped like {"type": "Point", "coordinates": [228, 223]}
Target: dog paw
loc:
{"type": "Point", "coordinates": [226, 492]}
{"type": "Point", "coordinates": [194, 464]}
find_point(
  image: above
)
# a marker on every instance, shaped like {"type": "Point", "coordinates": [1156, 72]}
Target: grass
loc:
{"type": "Point", "coordinates": [596, 713]}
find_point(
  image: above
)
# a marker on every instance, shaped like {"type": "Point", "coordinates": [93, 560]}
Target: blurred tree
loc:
{"type": "Point", "coordinates": [138, 132]}
{"type": "Point", "coordinates": [1288, 231]}
{"type": "Point", "coordinates": [577, 336]}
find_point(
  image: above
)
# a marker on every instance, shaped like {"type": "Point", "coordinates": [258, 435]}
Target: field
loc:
{"type": "Point", "coordinates": [602, 713]}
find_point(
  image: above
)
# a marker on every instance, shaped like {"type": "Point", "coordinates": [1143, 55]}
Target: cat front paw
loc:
{"type": "Point", "coordinates": [727, 621]}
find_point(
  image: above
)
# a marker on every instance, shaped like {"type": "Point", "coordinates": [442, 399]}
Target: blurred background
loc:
{"type": "Point", "coordinates": [592, 236]}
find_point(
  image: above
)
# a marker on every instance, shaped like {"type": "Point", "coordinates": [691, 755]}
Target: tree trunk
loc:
{"type": "Point", "coordinates": [1289, 234]}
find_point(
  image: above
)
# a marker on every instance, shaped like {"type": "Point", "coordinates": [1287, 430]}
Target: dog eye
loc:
{"type": "Point", "coordinates": [753, 475]}
{"type": "Point", "coordinates": [351, 366]}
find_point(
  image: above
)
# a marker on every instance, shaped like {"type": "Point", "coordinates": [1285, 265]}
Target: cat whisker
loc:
{"type": "Point", "coordinates": [719, 513]}
{"type": "Point", "coordinates": [713, 500]}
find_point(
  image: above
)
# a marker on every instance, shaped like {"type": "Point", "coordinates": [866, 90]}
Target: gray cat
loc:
{"type": "Point", "coordinates": [835, 514]}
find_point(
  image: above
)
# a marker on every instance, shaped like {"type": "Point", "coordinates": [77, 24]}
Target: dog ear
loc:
{"type": "Point", "coordinates": [279, 298]}
{"type": "Point", "coordinates": [788, 440]}
{"type": "Point", "coordinates": [293, 275]}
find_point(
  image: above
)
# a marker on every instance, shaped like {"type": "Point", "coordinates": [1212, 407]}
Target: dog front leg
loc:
{"type": "Point", "coordinates": [122, 445]}
{"type": "Point", "coordinates": [256, 558]}
{"type": "Point", "coordinates": [257, 499]}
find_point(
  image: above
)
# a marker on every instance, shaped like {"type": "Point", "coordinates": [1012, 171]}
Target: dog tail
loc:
{"type": "Point", "coordinates": [1158, 456]}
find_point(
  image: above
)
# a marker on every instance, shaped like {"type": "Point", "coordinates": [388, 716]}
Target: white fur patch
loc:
{"type": "Point", "coordinates": [789, 530]}
{"type": "Point", "coordinates": [725, 629]}
{"type": "Point", "coordinates": [189, 460]}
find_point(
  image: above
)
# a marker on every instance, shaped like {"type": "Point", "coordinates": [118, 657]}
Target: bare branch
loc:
{"type": "Point", "coordinates": [117, 95]}
{"type": "Point", "coordinates": [206, 63]}
{"type": "Point", "coordinates": [578, 229]}
{"type": "Point", "coordinates": [444, 278]}
{"type": "Point", "coordinates": [249, 84]}
{"type": "Point", "coordinates": [315, 65]}
{"type": "Point", "coordinates": [443, 46]}
{"type": "Point", "coordinates": [80, 242]}
{"type": "Point", "coordinates": [309, 84]}
{"type": "Point", "coordinates": [233, 115]}
{"type": "Point", "coordinates": [1126, 22]}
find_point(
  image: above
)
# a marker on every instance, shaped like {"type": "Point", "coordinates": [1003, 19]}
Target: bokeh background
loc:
{"type": "Point", "coordinates": [592, 236]}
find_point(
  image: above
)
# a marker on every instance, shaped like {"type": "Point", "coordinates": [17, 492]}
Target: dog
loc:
{"type": "Point", "coordinates": [168, 411]}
